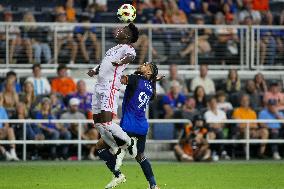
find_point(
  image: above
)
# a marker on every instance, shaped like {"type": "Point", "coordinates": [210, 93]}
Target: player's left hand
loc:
{"type": "Point", "coordinates": [159, 78]}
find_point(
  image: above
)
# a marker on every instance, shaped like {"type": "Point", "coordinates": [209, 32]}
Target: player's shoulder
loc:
{"type": "Point", "coordinates": [127, 46]}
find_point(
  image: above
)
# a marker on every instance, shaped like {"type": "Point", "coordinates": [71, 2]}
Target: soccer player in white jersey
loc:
{"type": "Point", "coordinates": [105, 97]}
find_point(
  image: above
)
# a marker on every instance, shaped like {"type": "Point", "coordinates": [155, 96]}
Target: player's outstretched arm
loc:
{"type": "Point", "coordinates": [128, 58]}
{"type": "Point", "coordinates": [160, 77]}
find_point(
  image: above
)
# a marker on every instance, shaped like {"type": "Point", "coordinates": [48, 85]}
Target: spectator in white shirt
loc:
{"type": "Point", "coordinates": [216, 129]}
{"type": "Point", "coordinates": [41, 84]}
{"type": "Point", "coordinates": [204, 81]}
{"type": "Point", "coordinates": [249, 12]}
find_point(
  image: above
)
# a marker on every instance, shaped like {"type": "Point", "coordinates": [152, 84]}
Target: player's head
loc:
{"type": "Point", "coordinates": [127, 34]}
{"type": "Point", "coordinates": [149, 70]}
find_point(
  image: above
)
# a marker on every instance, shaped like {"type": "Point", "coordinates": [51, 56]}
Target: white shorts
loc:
{"type": "Point", "coordinates": [105, 99]}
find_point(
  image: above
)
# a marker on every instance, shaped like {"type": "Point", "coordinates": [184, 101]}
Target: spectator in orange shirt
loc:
{"type": "Point", "coordinates": [275, 93]}
{"type": "Point", "coordinates": [173, 15]}
{"type": "Point", "coordinates": [63, 84]}
{"type": "Point", "coordinates": [260, 5]}
{"type": "Point", "coordinates": [245, 112]}
{"type": "Point", "coordinates": [70, 11]}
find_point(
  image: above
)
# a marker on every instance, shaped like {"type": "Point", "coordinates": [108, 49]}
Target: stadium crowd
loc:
{"type": "Point", "coordinates": [30, 44]}
{"type": "Point", "coordinates": [200, 100]}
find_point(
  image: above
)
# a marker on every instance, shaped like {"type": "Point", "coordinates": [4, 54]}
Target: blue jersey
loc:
{"type": "Point", "coordinates": [137, 95]}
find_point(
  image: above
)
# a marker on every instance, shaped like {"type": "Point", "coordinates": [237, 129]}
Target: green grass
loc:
{"type": "Point", "coordinates": [89, 175]}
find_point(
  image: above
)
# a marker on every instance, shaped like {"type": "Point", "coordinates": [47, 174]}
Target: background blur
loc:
{"type": "Point", "coordinates": [223, 60]}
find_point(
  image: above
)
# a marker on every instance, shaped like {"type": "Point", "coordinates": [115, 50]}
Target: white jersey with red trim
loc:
{"type": "Point", "coordinates": [112, 74]}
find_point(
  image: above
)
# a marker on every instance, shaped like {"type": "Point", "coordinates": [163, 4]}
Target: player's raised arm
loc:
{"type": "Point", "coordinates": [94, 71]}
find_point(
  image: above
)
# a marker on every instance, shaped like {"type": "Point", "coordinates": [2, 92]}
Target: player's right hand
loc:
{"type": "Point", "coordinates": [92, 73]}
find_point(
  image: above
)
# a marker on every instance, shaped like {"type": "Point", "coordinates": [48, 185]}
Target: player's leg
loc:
{"type": "Point", "coordinates": [102, 150]}
{"type": "Point", "coordinates": [144, 162]}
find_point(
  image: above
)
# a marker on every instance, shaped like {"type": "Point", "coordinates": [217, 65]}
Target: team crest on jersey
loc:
{"type": "Point", "coordinates": [148, 86]}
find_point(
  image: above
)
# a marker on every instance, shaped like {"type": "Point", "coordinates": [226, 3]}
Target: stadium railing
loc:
{"type": "Point", "coordinates": [230, 44]}
{"type": "Point", "coordinates": [247, 141]}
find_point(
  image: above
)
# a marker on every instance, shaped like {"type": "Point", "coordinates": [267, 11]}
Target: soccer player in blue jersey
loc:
{"type": "Point", "coordinates": [139, 91]}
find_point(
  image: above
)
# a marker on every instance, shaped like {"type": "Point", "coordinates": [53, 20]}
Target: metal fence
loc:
{"type": "Point", "coordinates": [220, 46]}
{"type": "Point", "coordinates": [247, 141]}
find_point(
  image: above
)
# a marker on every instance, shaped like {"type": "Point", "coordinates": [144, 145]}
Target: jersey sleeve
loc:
{"type": "Point", "coordinates": [129, 50]}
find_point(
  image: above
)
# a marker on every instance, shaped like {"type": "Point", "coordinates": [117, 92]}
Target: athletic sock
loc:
{"type": "Point", "coordinates": [121, 137]}
{"type": "Point", "coordinates": [110, 160]}
{"type": "Point", "coordinates": [147, 170]}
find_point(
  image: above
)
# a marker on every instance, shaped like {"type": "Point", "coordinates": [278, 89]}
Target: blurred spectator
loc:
{"type": "Point", "coordinates": [203, 44]}
{"type": "Point", "coordinates": [20, 113]}
{"type": "Point", "coordinates": [65, 36]}
{"type": "Point", "coordinates": [172, 102]}
{"type": "Point", "coordinates": [15, 40]}
{"type": "Point", "coordinates": [173, 15]}
{"type": "Point", "coordinates": [87, 35]}
{"type": "Point", "coordinates": [222, 102]}
{"type": "Point", "coordinates": [11, 75]}
{"type": "Point", "coordinates": [190, 6]}
{"type": "Point", "coordinates": [28, 96]}
{"type": "Point", "coordinates": [189, 110]}
{"type": "Point", "coordinates": [88, 133]}
{"type": "Point", "coordinates": [85, 98]}
{"type": "Point", "coordinates": [272, 113]}
{"type": "Point", "coordinates": [6, 132]}
{"type": "Point", "coordinates": [70, 11]}
{"type": "Point", "coordinates": [101, 4]}
{"type": "Point", "coordinates": [211, 7]}
{"type": "Point", "coordinates": [248, 11]}
{"type": "Point", "coordinates": [216, 129]}
{"type": "Point", "coordinates": [276, 94]}
{"type": "Point", "coordinates": [92, 10]}
{"type": "Point", "coordinates": [203, 80]}
{"type": "Point", "coordinates": [260, 83]}
{"type": "Point", "coordinates": [41, 84]}
{"type": "Point", "coordinates": [233, 83]}
{"type": "Point", "coordinates": [63, 84]}
{"type": "Point", "coordinates": [57, 105]}
{"type": "Point", "coordinates": [254, 95]}
{"type": "Point", "coordinates": [200, 98]}
{"type": "Point", "coordinates": [173, 71]}
{"type": "Point", "coordinates": [228, 12]}
{"type": "Point", "coordinates": [10, 97]}
{"type": "Point", "coordinates": [245, 112]}
{"type": "Point", "coordinates": [158, 18]}
{"type": "Point", "coordinates": [38, 37]}
{"type": "Point", "coordinates": [260, 5]}
{"type": "Point", "coordinates": [193, 145]}
{"type": "Point", "coordinates": [50, 130]}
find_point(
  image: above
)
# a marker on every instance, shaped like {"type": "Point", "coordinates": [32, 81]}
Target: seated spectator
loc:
{"type": "Point", "coordinates": [172, 102]}
{"type": "Point", "coordinates": [190, 6]}
{"type": "Point", "coordinates": [211, 7]}
{"type": "Point", "coordinates": [63, 84]}
{"type": "Point", "coordinates": [272, 113]}
{"type": "Point", "coordinates": [102, 5]}
{"type": "Point", "coordinates": [10, 97]}
{"type": "Point", "coordinates": [88, 133]}
{"type": "Point", "coordinates": [248, 11]}
{"type": "Point", "coordinates": [6, 132]}
{"type": "Point", "coordinates": [158, 19]}
{"type": "Point", "coordinates": [87, 35]}
{"type": "Point", "coordinates": [85, 98]}
{"type": "Point", "coordinates": [260, 5]}
{"type": "Point", "coordinates": [50, 130]}
{"type": "Point", "coordinates": [70, 11]}
{"type": "Point", "coordinates": [40, 83]}
{"type": "Point", "coordinates": [11, 75]}
{"type": "Point", "coordinates": [28, 96]}
{"type": "Point", "coordinates": [203, 44]}
{"type": "Point", "coordinates": [275, 93]}
{"type": "Point", "coordinates": [65, 36]}
{"type": "Point", "coordinates": [193, 145]}
{"type": "Point", "coordinates": [57, 105]}
{"type": "Point", "coordinates": [245, 112]}
{"type": "Point", "coordinates": [189, 110]}
{"type": "Point", "coordinates": [228, 12]}
{"type": "Point", "coordinates": [233, 82]}
{"type": "Point", "coordinates": [222, 104]}
{"type": "Point", "coordinates": [254, 95]}
{"type": "Point", "coordinates": [216, 129]}
{"type": "Point", "coordinates": [173, 71]}
{"type": "Point", "coordinates": [204, 81]}
{"type": "Point", "coordinates": [260, 83]}
{"type": "Point", "coordinates": [20, 113]}
{"type": "Point", "coordinates": [200, 98]}
{"type": "Point", "coordinates": [173, 15]}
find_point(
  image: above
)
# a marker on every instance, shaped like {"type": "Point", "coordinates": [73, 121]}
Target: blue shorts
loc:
{"type": "Point", "coordinates": [141, 143]}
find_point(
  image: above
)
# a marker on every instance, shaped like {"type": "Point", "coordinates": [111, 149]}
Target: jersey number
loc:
{"type": "Point", "coordinates": [143, 99]}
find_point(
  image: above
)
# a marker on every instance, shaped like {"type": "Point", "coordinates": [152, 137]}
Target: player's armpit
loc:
{"type": "Point", "coordinates": [124, 80]}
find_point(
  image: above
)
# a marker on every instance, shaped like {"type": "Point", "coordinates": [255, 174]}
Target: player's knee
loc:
{"type": "Point", "coordinates": [140, 157]}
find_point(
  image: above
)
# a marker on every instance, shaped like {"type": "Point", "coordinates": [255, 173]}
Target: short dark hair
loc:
{"type": "Point", "coordinates": [36, 66]}
{"type": "Point", "coordinates": [61, 67]}
{"type": "Point", "coordinates": [11, 73]}
{"type": "Point", "coordinates": [134, 31]}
